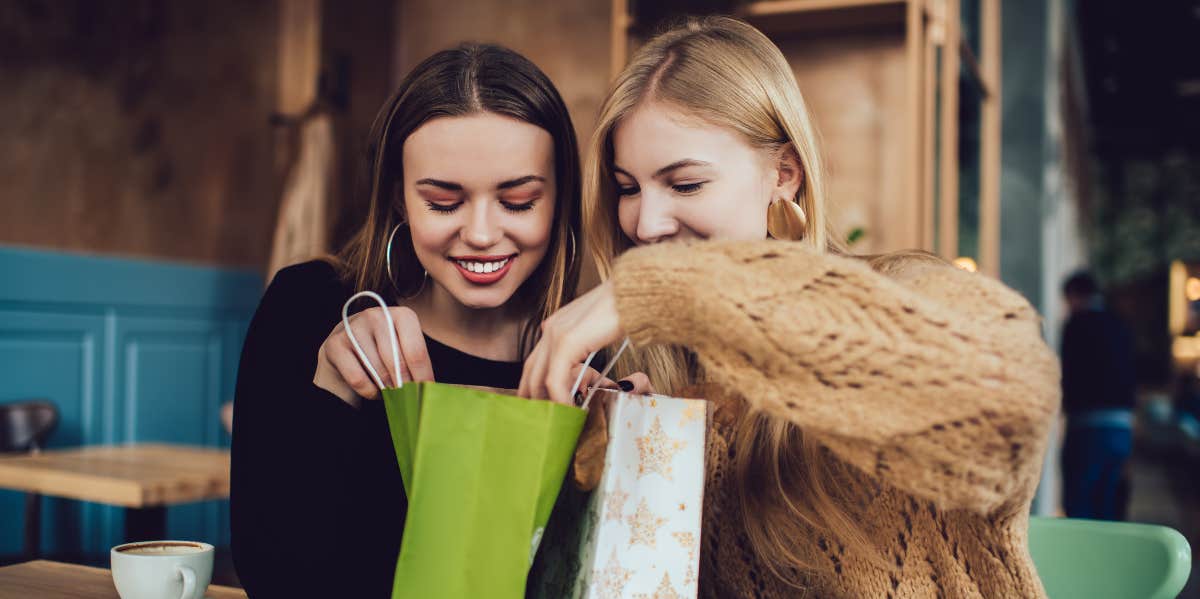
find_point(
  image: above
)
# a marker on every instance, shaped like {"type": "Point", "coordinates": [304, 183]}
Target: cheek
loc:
{"type": "Point", "coordinates": [733, 210]}
{"type": "Point", "coordinates": [433, 234]}
{"type": "Point", "coordinates": [628, 211]}
{"type": "Point", "coordinates": [531, 230]}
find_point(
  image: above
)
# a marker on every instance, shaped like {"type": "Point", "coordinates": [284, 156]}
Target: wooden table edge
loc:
{"type": "Point", "coordinates": [52, 568]}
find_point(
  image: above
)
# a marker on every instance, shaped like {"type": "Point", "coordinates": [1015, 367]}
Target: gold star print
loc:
{"type": "Point", "coordinates": [611, 581]}
{"type": "Point", "coordinates": [689, 577]}
{"type": "Point", "coordinates": [656, 450]}
{"type": "Point", "coordinates": [614, 504]}
{"type": "Point", "coordinates": [664, 591]}
{"type": "Point", "coordinates": [693, 411]}
{"type": "Point", "coordinates": [644, 525]}
{"type": "Point", "coordinates": [686, 540]}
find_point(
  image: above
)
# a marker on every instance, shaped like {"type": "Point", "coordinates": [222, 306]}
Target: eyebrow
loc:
{"type": "Point", "coordinates": [511, 183]}
{"type": "Point", "coordinates": [678, 164]}
{"type": "Point", "coordinates": [519, 182]}
{"type": "Point", "coordinates": [448, 186]}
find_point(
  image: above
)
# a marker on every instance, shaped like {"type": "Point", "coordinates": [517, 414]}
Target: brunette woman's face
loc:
{"type": "Point", "coordinates": [678, 177]}
{"type": "Point", "coordinates": [479, 198]}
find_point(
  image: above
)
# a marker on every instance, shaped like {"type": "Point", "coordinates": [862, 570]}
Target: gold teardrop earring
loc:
{"type": "Point", "coordinates": [786, 220]}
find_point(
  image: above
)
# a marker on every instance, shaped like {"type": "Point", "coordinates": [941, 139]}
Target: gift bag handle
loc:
{"type": "Point", "coordinates": [579, 379]}
{"type": "Point", "coordinates": [362, 356]}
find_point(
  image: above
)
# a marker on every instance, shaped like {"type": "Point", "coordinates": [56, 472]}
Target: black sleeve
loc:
{"type": "Point", "coordinates": [291, 446]}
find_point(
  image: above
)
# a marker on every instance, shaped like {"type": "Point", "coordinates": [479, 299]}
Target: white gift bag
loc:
{"type": "Point", "coordinates": [637, 535]}
{"type": "Point", "coordinates": [640, 536]}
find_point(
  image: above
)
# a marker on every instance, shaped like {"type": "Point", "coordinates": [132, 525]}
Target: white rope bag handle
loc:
{"type": "Point", "coordinates": [362, 356]}
{"type": "Point", "coordinates": [579, 379]}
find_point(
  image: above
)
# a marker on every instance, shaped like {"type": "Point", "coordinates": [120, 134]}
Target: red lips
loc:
{"type": "Point", "coordinates": [475, 269]}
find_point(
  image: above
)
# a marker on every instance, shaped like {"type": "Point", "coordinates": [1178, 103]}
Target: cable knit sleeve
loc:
{"type": "Point", "coordinates": [933, 380]}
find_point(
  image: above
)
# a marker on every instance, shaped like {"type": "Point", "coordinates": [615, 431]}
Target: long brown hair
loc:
{"type": "Point", "coordinates": [729, 74]}
{"type": "Point", "coordinates": [467, 79]}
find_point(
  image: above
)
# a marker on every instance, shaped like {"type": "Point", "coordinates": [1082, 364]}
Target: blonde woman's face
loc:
{"type": "Point", "coordinates": [479, 199]}
{"type": "Point", "coordinates": [678, 177]}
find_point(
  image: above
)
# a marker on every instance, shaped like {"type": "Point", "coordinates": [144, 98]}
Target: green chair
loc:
{"type": "Point", "coordinates": [1096, 560]}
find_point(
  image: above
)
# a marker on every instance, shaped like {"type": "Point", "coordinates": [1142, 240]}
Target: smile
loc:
{"type": "Point", "coordinates": [483, 270]}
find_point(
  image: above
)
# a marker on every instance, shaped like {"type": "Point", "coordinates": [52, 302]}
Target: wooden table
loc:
{"type": "Point", "coordinates": [56, 580]}
{"type": "Point", "coordinates": [143, 478]}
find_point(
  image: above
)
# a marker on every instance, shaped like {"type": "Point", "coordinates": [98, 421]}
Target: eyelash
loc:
{"type": "Point", "coordinates": [447, 209]}
{"type": "Point", "coordinates": [519, 207]}
{"type": "Point", "coordinates": [683, 188]}
{"type": "Point", "coordinates": [443, 208]}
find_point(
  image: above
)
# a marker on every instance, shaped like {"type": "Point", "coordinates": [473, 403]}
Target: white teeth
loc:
{"type": "Point", "coordinates": [482, 267]}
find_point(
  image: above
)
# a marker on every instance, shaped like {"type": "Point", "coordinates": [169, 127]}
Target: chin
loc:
{"type": "Point", "coordinates": [483, 299]}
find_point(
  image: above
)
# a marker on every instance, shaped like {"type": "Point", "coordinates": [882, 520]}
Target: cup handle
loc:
{"type": "Point", "coordinates": [189, 582]}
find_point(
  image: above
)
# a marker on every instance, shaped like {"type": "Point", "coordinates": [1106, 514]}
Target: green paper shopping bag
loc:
{"type": "Point", "coordinates": [482, 472]}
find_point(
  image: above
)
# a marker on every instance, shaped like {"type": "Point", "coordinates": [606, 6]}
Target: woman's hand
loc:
{"type": "Point", "coordinates": [589, 323]}
{"type": "Point", "coordinates": [340, 371]}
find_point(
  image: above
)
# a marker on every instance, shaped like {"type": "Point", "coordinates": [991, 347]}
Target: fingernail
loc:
{"type": "Point", "coordinates": [625, 385]}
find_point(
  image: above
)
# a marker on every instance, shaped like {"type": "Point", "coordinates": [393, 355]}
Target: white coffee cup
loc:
{"type": "Point", "coordinates": [162, 569]}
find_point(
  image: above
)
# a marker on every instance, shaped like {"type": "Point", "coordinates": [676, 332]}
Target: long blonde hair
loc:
{"type": "Point", "coordinates": [729, 74]}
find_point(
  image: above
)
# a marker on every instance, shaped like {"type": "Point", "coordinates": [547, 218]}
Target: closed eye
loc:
{"type": "Point", "coordinates": [518, 206]}
{"type": "Point", "coordinates": [443, 207]}
{"type": "Point", "coordinates": [688, 188]}
{"type": "Point", "coordinates": [628, 190]}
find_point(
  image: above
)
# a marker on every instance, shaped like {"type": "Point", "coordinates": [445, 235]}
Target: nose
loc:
{"type": "Point", "coordinates": [481, 231]}
{"type": "Point", "coordinates": [656, 219]}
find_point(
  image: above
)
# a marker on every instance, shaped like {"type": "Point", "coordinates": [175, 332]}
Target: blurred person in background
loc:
{"type": "Point", "coordinates": [1099, 393]}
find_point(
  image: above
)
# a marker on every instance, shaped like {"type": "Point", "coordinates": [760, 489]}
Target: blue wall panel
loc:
{"type": "Point", "coordinates": [128, 350]}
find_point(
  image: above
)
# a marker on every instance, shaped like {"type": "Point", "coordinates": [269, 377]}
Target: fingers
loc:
{"type": "Point", "coordinates": [592, 378]}
{"type": "Point", "coordinates": [382, 358]}
{"type": "Point", "coordinates": [637, 383]}
{"type": "Point", "coordinates": [341, 356]}
{"type": "Point", "coordinates": [374, 345]}
{"type": "Point", "coordinates": [559, 370]}
{"type": "Point", "coordinates": [415, 364]}
{"type": "Point", "coordinates": [533, 378]}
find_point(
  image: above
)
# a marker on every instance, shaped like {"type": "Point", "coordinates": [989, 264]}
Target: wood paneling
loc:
{"type": "Point", "coordinates": [855, 86]}
{"type": "Point", "coordinates": [55, 580]}
{"type": "Point", "coordinates": [139, 128]}
{"type": "Point", "coordinates": [989, 183]}
{"type": "Point", "coordinates": [568, 39]}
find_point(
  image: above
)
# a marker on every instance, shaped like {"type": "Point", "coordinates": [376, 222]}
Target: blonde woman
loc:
{"type": "Point", "coordinates": [879, 423]}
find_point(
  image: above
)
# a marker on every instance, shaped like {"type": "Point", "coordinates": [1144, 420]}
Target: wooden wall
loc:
{"type": "Point", "coordinates": [139, 128]}
{"type": "Point", "coordinates": [357, 48]}
{"type": "Point", "coordinates": [568, 39]}
{"type": "Point", "coordinates": [854, 84]}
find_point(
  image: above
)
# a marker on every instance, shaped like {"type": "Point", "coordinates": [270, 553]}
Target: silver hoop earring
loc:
{"type": "Point", "coordinates": [387, 261]}
{"type": "Point", "coordinates": [572, 250]}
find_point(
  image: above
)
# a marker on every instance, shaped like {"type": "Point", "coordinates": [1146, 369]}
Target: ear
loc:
{"type": "Point", "coordinates": [790, 172]}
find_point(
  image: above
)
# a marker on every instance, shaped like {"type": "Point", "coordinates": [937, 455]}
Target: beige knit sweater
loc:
{"type": "Point", "coordinates": [933, 383]}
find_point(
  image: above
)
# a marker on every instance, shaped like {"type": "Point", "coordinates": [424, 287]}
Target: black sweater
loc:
{"type": "Point", "coordinates": [317, 501]}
